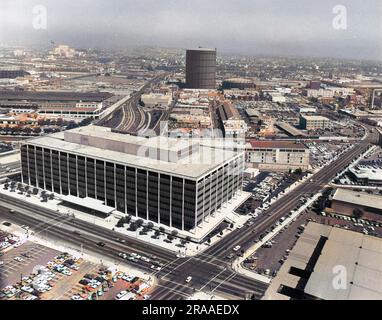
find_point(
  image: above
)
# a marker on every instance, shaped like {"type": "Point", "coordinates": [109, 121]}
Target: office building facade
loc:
{"type": "Point", "coordinates": [277, 155]}
{"type": "Point", "coordinates": [170, 192]}
{"type": "Point", "coordinates": [314, 122]}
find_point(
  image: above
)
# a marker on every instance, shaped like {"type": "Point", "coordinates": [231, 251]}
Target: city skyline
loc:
{"type": "Point", "coordinates": [190, 151]}
{"type": "Point", "coordinates": [245, 27]}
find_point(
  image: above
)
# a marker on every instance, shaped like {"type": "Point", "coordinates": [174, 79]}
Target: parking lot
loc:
{"type": "Point", "coordinates": [30, 271]}
{"type": "Point", "coordinates": [266, 186]}
{"type": "Point", "coordinates": [269, 258]}
{"type": "Point", "coordinates": [323, 152]}
{"type": "Point", "coordinates": [368, 170]}
{"type": "Point", "coordinates": [22, 260]}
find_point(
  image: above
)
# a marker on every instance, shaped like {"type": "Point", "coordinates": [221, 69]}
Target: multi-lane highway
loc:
{"type": "Point", "coordinates": [128, 116]}
{"type": "Point", "coordinates": [85, 236]}
{"type": "Point", "coordinates": [210, 270]}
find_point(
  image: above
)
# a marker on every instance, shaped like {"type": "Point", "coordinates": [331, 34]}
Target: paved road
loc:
{"type": "Point", "coordinates": [245, 236]}
{"type": "Point", "coordinates": [207, 275]}
{"type": "Point", "coordinates": [129, 117]}
{"type": "Point", "coordinates": [210, 271]}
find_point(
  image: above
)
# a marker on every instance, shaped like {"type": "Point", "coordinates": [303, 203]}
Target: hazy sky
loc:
{"type": "Point", "coordinates": [290, 27]}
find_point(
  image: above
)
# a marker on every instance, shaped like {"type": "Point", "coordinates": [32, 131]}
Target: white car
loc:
{"type": "Point", "coordinates": [237, 248]}
{"type": "Point", "coordinates": [128, 278]}
{"type": "Point", "coordinates": [121, 294]}
{"type": "Point", "coordinates": [156, 268]}
{"type": "Point", "coordinates": [27, 289]}
{"type": "Point", "coordinates": [19, 259]}
{"type": "Point", "coordinates": [145, 259]}
{"type": "Point", "coordinates": [189, 278]}
{"type": "Point", "coordinates": [123, 255]}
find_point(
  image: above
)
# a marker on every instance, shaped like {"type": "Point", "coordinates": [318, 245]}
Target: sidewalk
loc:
{"type": "Point", "coordinates": [237, 263]}
{"type": "Point", "coordinates": [74, 251]}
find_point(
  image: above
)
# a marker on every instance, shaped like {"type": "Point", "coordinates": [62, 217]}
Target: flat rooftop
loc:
{"type": "Point", "coordinates": [54, 96]}
{"type": "Point", "coordinates": [291, 130]}
{"type": "Point", "coordinates": [358, 198]}
{"type": "Point", "coordinates": [366, 172]}
{"type": "Point", "coordinates": [201, 49]}
{"type": "Point", "coordinates": [193, 164]}
{"type": "Point", "coordinates": [360, 255]}
{"type": "Point", "coordinates": [315, 118]}
{"type": "Point", "coordinates": [276, 144]}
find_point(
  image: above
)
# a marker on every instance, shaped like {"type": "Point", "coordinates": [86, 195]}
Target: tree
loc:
{"type": "Point", "coordinates": [51, 196]}
{"type": "Point", "coordinates": [174, 233]}
{"type": "Point", "coordinates": [35, 191]}
{"type": "Point", "coordinates": [357, 213]}
{"type": "Point", "coordinates": [150, 225]}
{"type": "Point", "coordinates": [127, 219]}
{"type": "Point", "coordinates": [162, 230]}
{"type": "Point", "coordinates": [221, 232]}
{"type": "Point", "coordinates": [120, 223]}
{"type": "Point", "coordinates": [139, 223]}
{"type": "Point", "coordinates": [133, 227]}
{"type": "Point", "coordinates": [170, 237]}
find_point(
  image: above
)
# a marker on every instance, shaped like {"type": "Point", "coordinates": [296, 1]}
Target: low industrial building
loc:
{"type": "Point", "coordinates": [366, 175]}
{"type": "Point", "coordinates": [277, 155]}
{"type": "Point", "coordinates": [329, 263]}
{"type": "Point", "coordinates": [174, 183]}
{"type": "Point", "coordinates": [13, 74]}
{"type": "Point", "coordinates": [238, 83]}
{"type": "Point", "coordinates": [289, 129]}
{"type": "Point", "coordinates": [156, 100]}
{"type": "Point", "coordinates": [314, 122]}
{"type": "Point", "coordinates": [232, 123]}
{"type": "Point", "coordinates": [346, 201]}
{"type": "Point", "coordinates": [66, 105]}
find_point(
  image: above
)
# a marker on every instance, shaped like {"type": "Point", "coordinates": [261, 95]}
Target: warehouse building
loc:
{"type": "Point", "coordinates": [238, 83]}
{"type": "Point", "coordinates": [347, 202]}
{"type": "Point", "coordinates": [171, 182]}
{"type": "Point", "coordinates": [329, 263]}
{"type": "Point", "coordinates": [231, 122]}
{"type": "Point", "coordinates": [277, 155]}
{"type": "Point", "coordinates": [314, 122]}
{"type": "Point", "coordinates": [67, 105]}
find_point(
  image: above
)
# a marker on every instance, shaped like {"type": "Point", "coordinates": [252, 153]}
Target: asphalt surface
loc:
{"type": "Point", "coordinates": [51, 225]}
{"type": "Point", "coordinates": [210, 271]}
{"type": "Point", "coordinates": [129, 117]}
